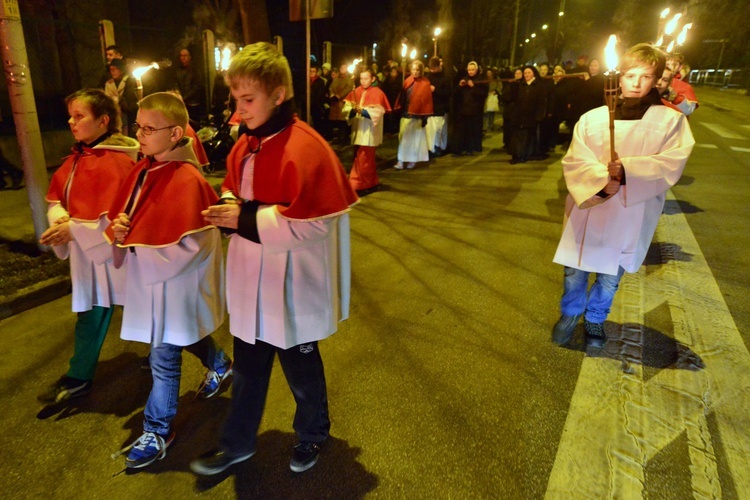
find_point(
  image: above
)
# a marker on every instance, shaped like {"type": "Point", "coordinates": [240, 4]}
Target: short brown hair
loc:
{"type": "Point", "coordinates": [101, 105]}
{"type": "Point", "coordinates": [169, 105]}
{"type": "Point", "coordinates": [644, 54]}
{"type": "Point", "coordinates": [264, 64]}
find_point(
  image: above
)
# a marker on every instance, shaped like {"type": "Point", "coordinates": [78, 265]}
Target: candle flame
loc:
{"type": "Point", "coordinates": [413, 53]}
{"type": "Point", "coordinates": [672, 24]}
{"type": "Point", "coordinates": [140, 71]}
{"type": "Point", "coordinates": [683, 34]}
{"type": "Point", "coordinates": [664, 13]}
{"type": "Point", "coordinates": [610, 54]}
{"type": "Point", "coordinates": [353, 65]}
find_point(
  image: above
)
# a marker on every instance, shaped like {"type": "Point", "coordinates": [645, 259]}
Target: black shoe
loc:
{"type": "Point", "coordinates": [66, 388]}
{"type": "Point", "coordinates": [305, 456]}
{"type": "Point", "coordinates": [217, 461]}
{"type": "Point", "coordinates": [564, 328]}
{"type": "Point", "coordinates": [595, 336]}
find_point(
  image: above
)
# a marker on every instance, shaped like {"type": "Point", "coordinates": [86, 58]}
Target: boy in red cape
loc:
{"type": "Point", "coordinates": [174, 291]}
{"type": "Point", "coordinates": [285, 199]}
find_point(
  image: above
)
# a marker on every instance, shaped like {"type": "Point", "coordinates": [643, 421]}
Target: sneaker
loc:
{"type": "Point", "coordinates": [411, 164]}
{"type": "Point", "coordinates": [595, 336]}
{"type": "Point", "coordinates": [217, 461]}
{"type": "Point", "coordinates": [399, 166]}
{"type": "Point", "coordinates": [147, 449]}
{"type": "Point", "coordinates": [66, 388]}
{"type": "Point", "coordinates": [210, 387]}
{"type": "Point", "coordinates": [563, 329]}
{"type": "Point", "coordinates": [305, 456]}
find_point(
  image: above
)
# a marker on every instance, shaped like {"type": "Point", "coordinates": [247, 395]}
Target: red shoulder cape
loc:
{"type": "Point", "coordinates": [296, 170]}
{"type": "Point", "coordinates": [420, 100]}
{"type": "Point", "coordinates": [373, 97]}
{"type": "Point", "coordinates": [169, 205]}
{"type": "Point", "coordinates": [99, 172]}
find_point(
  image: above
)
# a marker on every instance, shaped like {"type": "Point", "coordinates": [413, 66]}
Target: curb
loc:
{"type": "Point", "coordinates": [33, 296]}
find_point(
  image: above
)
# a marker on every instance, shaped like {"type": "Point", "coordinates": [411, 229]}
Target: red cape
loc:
{"type": "Point", "coordinates": [98, 175]}
{"type": "Point", "coordinates": [296, 170]}
{"type": "Point", "coordinates": [420, 100]}
{"type": "Point", "coordinates": [169, 205]}
{"type": "Point", "coordinates": [373, 97]}
{"type": "Point", "coordinates": [200, 152]}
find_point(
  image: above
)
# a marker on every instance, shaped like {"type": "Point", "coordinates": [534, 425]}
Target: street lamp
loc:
{"type": "Point", "coordinates": [434, 40]}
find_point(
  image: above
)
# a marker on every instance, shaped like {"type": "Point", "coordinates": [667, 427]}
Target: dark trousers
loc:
{"type": "Point", "coordinates": [470, 133]}
{"type": "Point", "coordinates": [303, 369]}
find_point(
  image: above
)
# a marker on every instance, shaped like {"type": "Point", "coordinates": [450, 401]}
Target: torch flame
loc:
{"type": "Point", "coordinates": [660, 41]}
{"type": "Point", "coordinates": [672, 24]}
{"type": "Point", "coordinates": [140, 71]}
{"type": "Point", "coordinates": [403, 50]}
{"type": "Point", "coordinates": [670, 47]}
{"type": "Point", "coordinates": [413, 54]}
{"type": "Point", "coordinates": [610, 54]}
{"type": "Point", "coordinates": [353, 66]}
{"type": "Point", "coordinates": [226, 57]}
{"type": "Point", "coordinates": [664, 13]}
{"type": "Point", "coordinates": [683, 34]}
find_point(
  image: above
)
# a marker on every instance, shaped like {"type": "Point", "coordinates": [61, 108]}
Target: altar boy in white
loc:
{"type": "Point", "coordinates": [624, 197]}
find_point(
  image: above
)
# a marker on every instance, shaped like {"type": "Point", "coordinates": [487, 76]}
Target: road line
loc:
{"type": "Point", "coordinates": [618, 421]}
{"type": "Point", "coordinates": [721, 130]}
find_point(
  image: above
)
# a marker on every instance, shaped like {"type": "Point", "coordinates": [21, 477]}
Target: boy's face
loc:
{"type": "Point", "coordinates": [365, 78]}
{"type": "Point", "coordinates": [162, 137]}
{"type": "Point", "coordinates": [637, 81]}
{"type": "Point", "coordinates": [253, 103]}
{"type": "Point", "coordinates": [83, 124]}
{"type": "Point", "coordinates": [663, 83]}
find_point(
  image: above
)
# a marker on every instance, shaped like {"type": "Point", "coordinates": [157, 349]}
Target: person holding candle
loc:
{"type": "Point", "coordinates": [624, 190]}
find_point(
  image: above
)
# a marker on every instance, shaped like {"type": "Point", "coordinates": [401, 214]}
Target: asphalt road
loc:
{"type": "Point", "coordinates": [444, 383]}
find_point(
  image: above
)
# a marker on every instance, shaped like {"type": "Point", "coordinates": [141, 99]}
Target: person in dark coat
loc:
{"type": "Point", "coordinates": [469, 109]}
{"type": "Point", "coordinates": [391, 86]}
{"type": "Point", "coordinates": [509, 96]}
{"type": "Point", "coordinates": [528, 113]}
{"type": "Point", "coordinates": [437, 124]}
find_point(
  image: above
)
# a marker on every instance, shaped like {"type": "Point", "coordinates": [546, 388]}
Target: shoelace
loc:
{"type": "Point", "coordinates": [213, 379]}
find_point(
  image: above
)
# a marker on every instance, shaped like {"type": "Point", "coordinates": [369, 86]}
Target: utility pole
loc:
{"type": "Point", "coordinates": [18, 79]}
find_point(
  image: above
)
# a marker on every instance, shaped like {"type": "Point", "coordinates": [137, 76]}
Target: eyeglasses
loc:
{"type": "Point", "coordinates": [148, 130]}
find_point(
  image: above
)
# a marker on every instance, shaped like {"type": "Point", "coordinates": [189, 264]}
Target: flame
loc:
{"type": "Point", "coordinates": [660, 41]}
{"type": "Point", "coordinates": [226, 57]}
{"type": "Point", "coordinates": [610, 53]}
{"type": "Point", "coordinates": [353, 66]}
{"type": "Point", "coordinates": [664, 13]}
{"type": "Point", "coordinates": [672, 24]}
{"type": "Point", "coordinates": [403, 50]}
{"type": "Point", "coordinates": [670, 47]}
{"type": "Point", "coordinates": [413, 54]}
{"type": "Point", "coordinates": [141, 70]}
{"type": "Point", "coordinates": [438, 31]}
{"type": "Point", "coordinates": [683, 34]}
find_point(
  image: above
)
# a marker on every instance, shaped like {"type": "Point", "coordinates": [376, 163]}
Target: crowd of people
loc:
{"type": "Point", "coordinates": [285, 206]}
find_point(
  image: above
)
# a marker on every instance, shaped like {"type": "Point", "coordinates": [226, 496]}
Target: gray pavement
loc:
{"type": "Point", "coordinates": [443, 383]}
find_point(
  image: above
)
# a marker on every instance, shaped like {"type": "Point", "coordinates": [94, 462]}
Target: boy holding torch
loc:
{"type": "Point", "coordinates": [615, 198]}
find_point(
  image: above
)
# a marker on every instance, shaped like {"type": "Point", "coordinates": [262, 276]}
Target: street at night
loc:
{"type": "Point", "coordinates": [444, 382]}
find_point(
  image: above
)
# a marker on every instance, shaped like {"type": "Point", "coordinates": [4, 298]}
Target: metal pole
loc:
{"type": "Point", "coordinates": [18, 79]}
{"type": "Point", "coordinates": [307, 75]}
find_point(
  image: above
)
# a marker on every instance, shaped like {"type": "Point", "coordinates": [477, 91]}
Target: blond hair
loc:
{"type": "Point", "coordinates": [169, 105]}
{"type": "Point", "coordinates": [262, 63]}
{"type": "Point", "coordinates": [644, 54]}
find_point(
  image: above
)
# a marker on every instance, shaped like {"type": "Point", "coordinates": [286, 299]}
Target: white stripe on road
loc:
{"type": "Point", "coordinates": [741, 150]}
{"type": "Point", "coordinates": [721, 130]}
{"type": "Point", "coordinates": [706, 146]}
{"type": "Point", "coordinates": [618, 421]}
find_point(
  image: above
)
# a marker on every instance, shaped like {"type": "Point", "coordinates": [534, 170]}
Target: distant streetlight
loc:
{"type": "Point", "coordinates": [544, 26]}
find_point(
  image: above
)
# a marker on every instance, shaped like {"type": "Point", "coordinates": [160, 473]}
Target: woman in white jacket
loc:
{"type": "Point", "coordinates": [80, 194]}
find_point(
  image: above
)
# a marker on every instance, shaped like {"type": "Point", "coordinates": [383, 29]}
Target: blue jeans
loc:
{"type": "Point", "coordinates": [596, 305]}
{"type": "Point", "coordinates": [166, 369]}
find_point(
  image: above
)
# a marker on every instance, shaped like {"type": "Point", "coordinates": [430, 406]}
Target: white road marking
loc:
{"type": "Point", "coordinates": [721, 130]}
{"type": "Point", "coordinates": [706, 146]}
{"type": "Point", "coordinates": [741, 150]}
{"type": "Point", "coordinates": [618, 421]}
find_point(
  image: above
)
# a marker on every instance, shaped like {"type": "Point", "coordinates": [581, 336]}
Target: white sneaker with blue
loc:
{"type": "Point", "coordinates": [210, 387]}
{"type": "Point", "coordinates": [146, 450]}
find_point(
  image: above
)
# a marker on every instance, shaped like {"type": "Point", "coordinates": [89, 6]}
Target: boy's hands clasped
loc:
{"type": "Point", "coordinates": [58, 234]}
{"type": "Point", "coordinates": [223, 215]}
{"type": "Point", "coordinates": [121, 227]}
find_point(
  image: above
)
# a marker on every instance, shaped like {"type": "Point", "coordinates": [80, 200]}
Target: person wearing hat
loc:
{"type": "Point", "coordinates": [122, 88]}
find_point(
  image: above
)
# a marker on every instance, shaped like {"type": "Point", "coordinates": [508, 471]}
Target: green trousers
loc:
{"type": "Point", "coordinates": [91, 329]}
